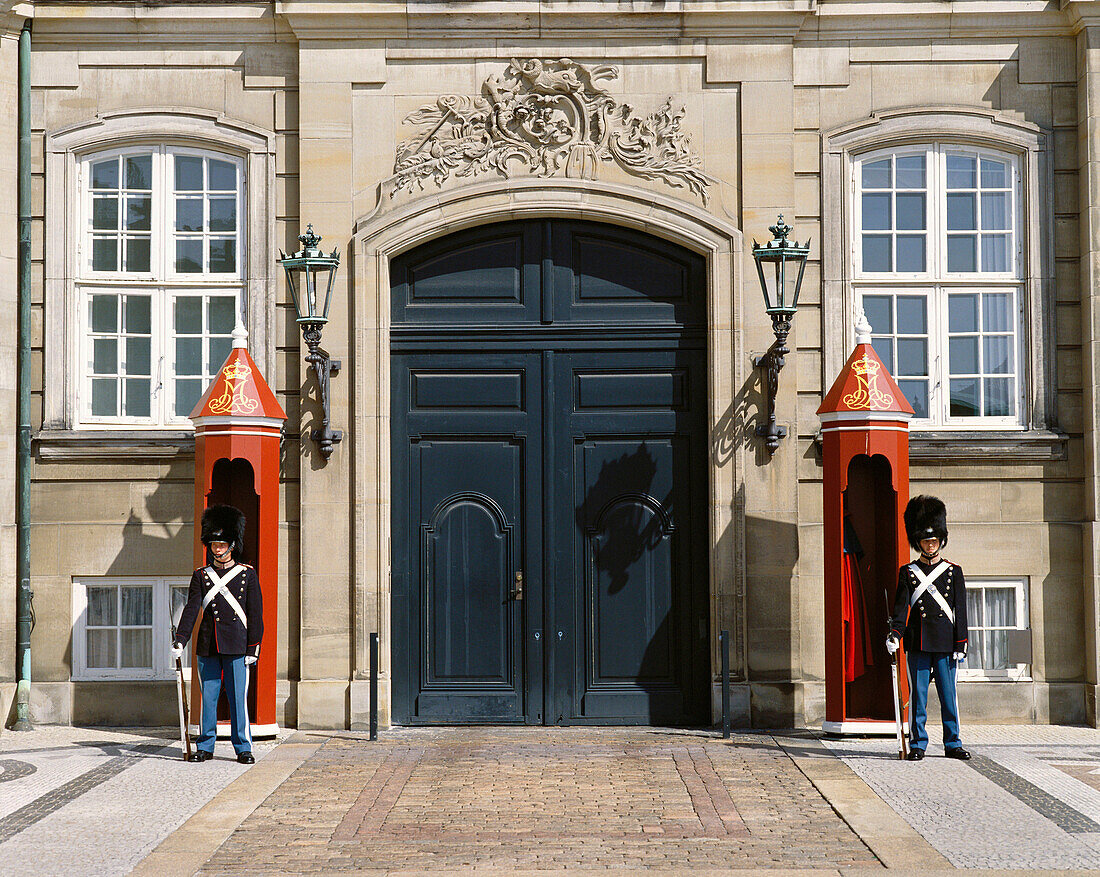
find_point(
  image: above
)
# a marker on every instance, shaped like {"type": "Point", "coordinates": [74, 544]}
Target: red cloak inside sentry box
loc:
{"type": "Point", "coordinates": [238, 430]}
{"type": "Point", "coordinates": [865, 456]}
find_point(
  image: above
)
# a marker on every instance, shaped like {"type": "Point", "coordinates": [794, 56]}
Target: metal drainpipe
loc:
{"type": "Point", "coordinates": [24, 608]}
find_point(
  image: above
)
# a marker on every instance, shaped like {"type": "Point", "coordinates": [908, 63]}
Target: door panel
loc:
{"type": "Point", "coordinates": [637, 603]}
{"type": "Point", "coordinates": [464, 471]}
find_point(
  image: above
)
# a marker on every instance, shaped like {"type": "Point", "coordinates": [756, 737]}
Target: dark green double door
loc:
{"type": "Point", "coordinates": [549, 479]}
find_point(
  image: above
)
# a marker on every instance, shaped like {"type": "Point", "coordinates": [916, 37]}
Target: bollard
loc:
{"type": "Point", "coordinates": [374, 686]}
{"type": "Point", "coordinates": [724, 643]}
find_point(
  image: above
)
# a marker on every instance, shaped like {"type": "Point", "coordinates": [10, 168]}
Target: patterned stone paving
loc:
{"type": "Point", "coordinates": [1012, 806]}
{"type": "Point", "coordinates": [542, 798]}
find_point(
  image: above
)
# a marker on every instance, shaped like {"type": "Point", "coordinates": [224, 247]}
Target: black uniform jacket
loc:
{"type": "Point", "coordinates": [925, 625]}
{"type": "Point", "coordinates": [221, 631]}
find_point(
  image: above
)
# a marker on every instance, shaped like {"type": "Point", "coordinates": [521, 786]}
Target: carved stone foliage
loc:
{"type": "Point", "coordinates": [545, 117]}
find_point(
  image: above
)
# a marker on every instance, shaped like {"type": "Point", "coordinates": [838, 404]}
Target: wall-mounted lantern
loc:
{"type": "Point", "coordinates": [310, 275]}
{"type": "Point", "coordinates": [780, 285]}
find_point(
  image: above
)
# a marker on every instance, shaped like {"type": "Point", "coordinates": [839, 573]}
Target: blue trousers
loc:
{"type": "Point", "coordinates": [922, 665]}
{"type": "Point", "coordinates": [212, 669]}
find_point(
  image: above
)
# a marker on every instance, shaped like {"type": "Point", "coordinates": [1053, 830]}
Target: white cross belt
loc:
{"type": "Point", "coordinates": [221, 586]}
{"type": "Point", "coordinates": [927, 583]}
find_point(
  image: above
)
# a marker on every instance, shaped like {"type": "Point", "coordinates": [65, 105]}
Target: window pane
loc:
{"type": "Point", "coordinates": [104, 397]}
{"type": "Point", "coordinates": [916, 393]}
{"type": "Point", "coordinates": [139, 214]}
{"type": "Point", "coordinates": [105, 356]}
{"type": "Point", "coordinates": [975, 614]}
{"type": "Point", "coordinates": [876, 174]}
{"type": "Point", "coordinates": [177, 599]}
{"type": "Point", "coordinates": [962, 313]}
{"type": "Point", "coordinates": [876, 212]}
{"type": "Point", "coordinates": [189, 214]}
{"type": "Point", "coordinates": [884, 347]}
{"type": "Point", "coordinates": [219, 351]}
{"type": "Point", "coordinates": [104, 254]}
{"type": "Point", "coordinates": [911, 315]}
{"type": "Point", "coordinates": [187, 394]}
{"type": "Point", "coordinates": [910, 209]}
{"type": "Point", "coordinates": [877, 309]}
{"type": "Point", "coordinates": [911, 253]}
{"type": "Point", "coordinates": [223, 175]}
{"type": "Point", "coordinates": [189, 356]}
{"type": "Point", "coordinates": [138, 356]}
{"type": "Point", "coordinates": [223, 214]}
{"type": "Point", "coordinates": [998, 397]}
{"type": "Point", "coordinates": [998, 354]}
{"type": "Point", "coordinates": [104, 313]}
{"type": "Point", "coordinates": [994, 174]}
{"type": "Point", "coordinates": [876, 253]}
{"type": "Point", "coordinates": [102, 606]}
{"type": "Point", "coordinates": [137, 254]}
{"type": "Point", "coordinates": [1001, 603]}
{"type": "Point", "coordinates": [137, 606]}
{"type": "Point", "coordinates": [996, 650]}
{"type": "Point", "coordinates": [223, 255]}
{"type": "Point", "coordinates": [105, 213]}
{"type": "Point", "coordinates": [912, 356]}
{"type": "Point", "coordinates": [961, 172]}
{"type": "Point", "coordinates": [101, 649]}
{"type": "Point", "coordinates": [221, 314]}
{"type": "Point", "coordinates": [910, 171]}
{"type": "Point", "coordinates": [963, 356]}
{"type": "Point", "coordinates": [964, 397]}
{"type": "Point", "coordinates": [995, 211]}
{"type": "Point", "coordinates": [105, 174]}
{"type": "Point", "coordinates": [188, 315]}
{"type": "Point", "coordinates": [139, 172]}
{"type": "Point", "coordinates": [137, 648]}
{"type": "Point", "coordinates": [138, 401]}
{"type": "Point", "coordinates": [962, 212]}
{"type": "Point", "coordinates": [189, 256]}
{"type": "Point", "coordinates": [995, 253]}
{"type": "Point", "coordinates": [997, 312]}
{"type": "Point", "coordinates": [188, 173]}
{"type": "Point", "coordinates": [961, 255]}
{"type": "Point", "coordinates": [139, 314]}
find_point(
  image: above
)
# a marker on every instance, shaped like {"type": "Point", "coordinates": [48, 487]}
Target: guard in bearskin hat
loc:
{"type": "Point", "coordinates": [225, 596]}
{"type": "Point", "coordinates": [930, 613]}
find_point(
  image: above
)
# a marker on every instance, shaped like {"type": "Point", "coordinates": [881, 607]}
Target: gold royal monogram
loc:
{"type": "Point", "coordinates": [867, 394]}
{"type": "Point", "coordinates": [233, 399]}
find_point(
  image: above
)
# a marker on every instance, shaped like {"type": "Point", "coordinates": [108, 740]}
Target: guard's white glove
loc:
{"type": "Point", "coordinates": [891, 645]}
{"type": "Point", "coordinates": [958, 657]}
{"type": "Point", "coordinates": [249, 660]}
{"type": "Point", "coordinates": [177, 652]}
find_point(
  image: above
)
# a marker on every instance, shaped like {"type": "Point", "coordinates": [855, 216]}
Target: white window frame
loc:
{"type": "Point", "coordinates": [959, 129]}
{"type": "Point", "coordinates": [1013, 673]}
{"type": "Point", "coordinates": [142, 129]}
{"type": "Point", "coordinates": [162, 283]}
{"type": "Point", "coordinates": [936, 283]}
{"type": "Point", "coordinates": [163, 667]}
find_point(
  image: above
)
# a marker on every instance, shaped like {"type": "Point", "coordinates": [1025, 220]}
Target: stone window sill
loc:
{"type": "Point", "coordinates": [990, 446]}
{"type": "Point", "coordinates": [88, 444]}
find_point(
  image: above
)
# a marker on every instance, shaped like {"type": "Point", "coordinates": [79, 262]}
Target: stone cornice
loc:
{"type": "Point", "coordinates": [1081, 13]}
{"type": "Point", "coordinates": [901, 20]}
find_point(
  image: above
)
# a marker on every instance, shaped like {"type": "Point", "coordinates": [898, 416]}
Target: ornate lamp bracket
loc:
{"type": "Point", "coordinates": [324, 367]}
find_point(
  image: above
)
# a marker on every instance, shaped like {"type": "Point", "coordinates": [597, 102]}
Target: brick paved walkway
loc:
{"type": "Point", "coordinates": [535, 798]}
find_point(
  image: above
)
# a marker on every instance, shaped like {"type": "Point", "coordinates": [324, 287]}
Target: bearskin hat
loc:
{"type": "Point", "coordinates": [224, 523]}
{"type": "Point", "coordinates": [925, 516]}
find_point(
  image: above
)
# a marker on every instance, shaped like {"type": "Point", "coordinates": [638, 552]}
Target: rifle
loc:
{"type": "Point", "coordinates": [185, 737]}
{"type": "Point", "coordinates": [903, 747]}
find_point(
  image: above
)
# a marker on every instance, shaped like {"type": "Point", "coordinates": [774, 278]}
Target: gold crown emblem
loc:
{"type": "Point", "coordinates": [867, 393]}
{"type": "Point", "coordinates": [233, 399]}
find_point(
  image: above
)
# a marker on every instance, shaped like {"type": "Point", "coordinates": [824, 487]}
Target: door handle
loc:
{"type": "Point", "coordinates": [517, 592]}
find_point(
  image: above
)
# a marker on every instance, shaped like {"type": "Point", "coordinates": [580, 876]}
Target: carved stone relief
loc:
{"type": "Point", "coordinates": [542, 118]}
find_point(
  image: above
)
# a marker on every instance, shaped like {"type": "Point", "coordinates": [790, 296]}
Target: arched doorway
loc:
{"type": "Point", "coordinates": [549, 478]}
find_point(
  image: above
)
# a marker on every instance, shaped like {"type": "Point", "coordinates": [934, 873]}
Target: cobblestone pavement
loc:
{"type": "Point", "coordinates": [542, 798]}
{"type": "Point", "coordinates": [80, 801]}
{"type": "Point", "coordinates": [1029, 798]}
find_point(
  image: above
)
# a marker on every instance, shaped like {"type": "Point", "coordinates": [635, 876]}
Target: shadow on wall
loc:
{"type": "Point", "coordinates": [772, 620]}
{"type": "Point", "coordinates": [736, 428]}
